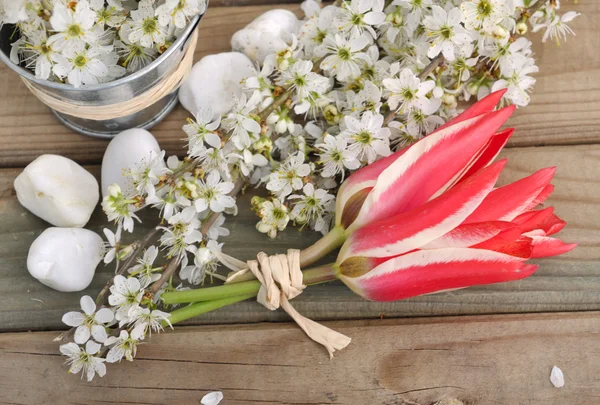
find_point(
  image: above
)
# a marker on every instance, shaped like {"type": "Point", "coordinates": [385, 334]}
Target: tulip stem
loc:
{"type": "Point", "coordinates": [249, 289]}
{"type": "Point", "coordinates": [202, 307]}
{"type": "Point", "coordinates": [327, 244]}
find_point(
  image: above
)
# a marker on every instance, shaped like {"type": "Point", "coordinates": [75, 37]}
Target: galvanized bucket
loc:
{"type": "Point", "coordinates": [121, 90]}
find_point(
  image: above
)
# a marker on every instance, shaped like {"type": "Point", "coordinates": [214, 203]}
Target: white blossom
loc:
{"type": "Point", "coordinates": [336, 157]}
{"type": "Point", "coordinates": [122, 346]}
{"type": "Point", "coordinates": [84, 360]}
{"type": "Point", "coordinates": [289, 176]}
{"type": "Point", "coordinates": [90, 322]}
{"type": "Point", "coordinates": [73, 27]}
{"type": "Point", "coordinates": [213, 194]}
{"type": "Point", "coordinates": [274, 217]}
{"type": "Point", "coordinates": [368, 140]}
{"type": "Point", "coordinates": [445, 32]}
{"type": "Point", "coordinates": [125, 294]}
{"type": "Point", "coordinates": [343, 55]}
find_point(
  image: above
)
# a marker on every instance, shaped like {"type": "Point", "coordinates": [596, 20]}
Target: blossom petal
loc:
{"type": "Point", "coordinates": [73, 318]}
{"type": "Point", "coordinates": [82, 334]}
{"type": "Point", "coordinates": [212, 398]}
{"type": "Point", "coordinates": [429, 271]}
{"type": "Point", "coordinates": [87, 304]}
{"type": "Point", "coordinates": [104, 315]}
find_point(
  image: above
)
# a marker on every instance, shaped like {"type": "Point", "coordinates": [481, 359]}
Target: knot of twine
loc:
{"type": "Point", "coordinates": [280, 277]}
{"type": "Point", "coordinates": [171, 82]}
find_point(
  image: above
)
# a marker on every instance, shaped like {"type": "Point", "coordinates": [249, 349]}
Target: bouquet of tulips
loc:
{"type": "Point", "coordinates": [426, 219]}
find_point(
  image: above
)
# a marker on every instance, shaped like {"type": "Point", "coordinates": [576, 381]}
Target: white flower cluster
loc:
{"type": "Point", "coordinates": [353, 83]}
{"type": "Point", "coordinates": [86, 42]}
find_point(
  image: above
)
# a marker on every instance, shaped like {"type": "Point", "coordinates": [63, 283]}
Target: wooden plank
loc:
{"type": "Point", "coordinates": [477, 360]}
{"type": "Point", "coordinates": [567, 283]}
{"type": "Point", "coordinates": [565, 107]}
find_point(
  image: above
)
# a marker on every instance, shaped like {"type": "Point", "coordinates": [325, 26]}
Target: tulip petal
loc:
{"type": "Point", "coordinates": [489, 152]}
{"type": "Point", "coordinates": [483, 106]}
{"type": "Point", "coordinates": [507, 202]}
{"type": "Point", "coordinates": [509, 243]}
{"type": "Point", "coordinates": [467, 235]}
{"type": "Point", "coordinates": [362, 179]}
{"type": "Point", "coordinates": [417, 227]}
{"type": "Point", "coordinates": [428, 167]}
{"type": "Point", "coordinates": [428, 271]}
{"type": "Point", "coordinates": [544, 220]}
{"type": "Point", "coordinates": [544, 246]}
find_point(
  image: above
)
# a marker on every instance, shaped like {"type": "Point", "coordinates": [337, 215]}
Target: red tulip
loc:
{"type": "Point", "coordinates": [428, 218]}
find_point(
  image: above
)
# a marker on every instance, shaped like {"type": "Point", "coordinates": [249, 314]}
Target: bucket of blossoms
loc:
{"type": "Point", "coordinates": [102, 66]}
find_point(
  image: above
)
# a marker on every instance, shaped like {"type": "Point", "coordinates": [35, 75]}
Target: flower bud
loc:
{"type": "Point", "coordinates": [449, 100]}
{"type": "Point", "coordinates": [331, 114]}
{"type": "Point", "coordinates": [473, 88]}
{"type": "Point", "coordinates": [521, 28]}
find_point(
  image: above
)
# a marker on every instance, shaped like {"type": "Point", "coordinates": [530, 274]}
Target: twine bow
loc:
{"type": "Point", "coordinates": [281, 279]}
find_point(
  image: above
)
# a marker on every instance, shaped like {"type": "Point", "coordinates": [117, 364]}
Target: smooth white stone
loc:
{"type": "Point", "coordinates": [65, 259]}
{"type": "Point", "coordinates": [214, 81]}
{"type": "Point", "coordinates": [58, 190]}
{"type": "Point", "coordinates": [128, 150]}
{"type": "Point", "coordinates": [269, 33]}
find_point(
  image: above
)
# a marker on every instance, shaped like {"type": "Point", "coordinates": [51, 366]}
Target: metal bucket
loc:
{"type": "Point", "coordinates": [121, 90]}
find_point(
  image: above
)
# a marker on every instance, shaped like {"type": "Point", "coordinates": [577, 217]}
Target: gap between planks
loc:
{"type": "Point", "coordinates": [565, 106]}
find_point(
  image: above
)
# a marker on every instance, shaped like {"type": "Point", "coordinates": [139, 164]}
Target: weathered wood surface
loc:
{"type": "Point", "coordinates": [565, 107]}
{"type": "Point", "coordinates": [570, 282]}
{"type": "Point", "coordinates": [487, 360]}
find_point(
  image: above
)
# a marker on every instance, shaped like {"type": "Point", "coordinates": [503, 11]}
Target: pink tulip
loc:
{"type": "Point", "coordinates": [429, 219]}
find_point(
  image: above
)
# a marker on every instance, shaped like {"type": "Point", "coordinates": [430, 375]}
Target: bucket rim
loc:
{"type": "Point", "coordinates": [183, 38]}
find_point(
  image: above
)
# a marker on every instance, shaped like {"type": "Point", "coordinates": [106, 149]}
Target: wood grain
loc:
{"type": "Point", "coordinates": [565, 107]}
{"type": "Point", "coordinates": [566, 283]}
{"type": "Point", "coordinates": [479, 360]}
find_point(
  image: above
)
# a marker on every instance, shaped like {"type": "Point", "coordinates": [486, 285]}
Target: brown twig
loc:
{"type": "Point", "coordinates": [206, 225]}
{"type": "Point", "coordinates": [139, 246]}
{"type": "Point", "coordinates": [264, 114]}
{"type": "Point", "coordinates": [435, 62]}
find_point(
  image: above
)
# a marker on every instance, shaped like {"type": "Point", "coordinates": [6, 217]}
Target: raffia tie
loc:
{"type": "Point", "coordinates": [281, 279]}
{"type": "Point", "coordinates": [171, 82]}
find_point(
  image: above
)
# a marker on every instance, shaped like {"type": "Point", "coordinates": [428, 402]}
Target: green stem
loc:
{"type": "Point", "coordinates": [203, 307]}
{"type": "Point", "coordinates": [313, 276]}
{"type": "Point", "coordinates": [327, 244]}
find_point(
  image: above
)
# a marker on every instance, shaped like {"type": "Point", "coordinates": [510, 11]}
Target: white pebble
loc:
{"type": "Point", "coordinates": [214, 82]}
{"type": "Point", "coordinates": [65, 259]}
{"type": "Point", "coordinates": [557, 377]}
{"type": "Point", "coordinates": [129, 150]}
{"type": "Point", "coordinates": [58, 190]}
{"type": "Point", "coordinates": [270, 32]}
